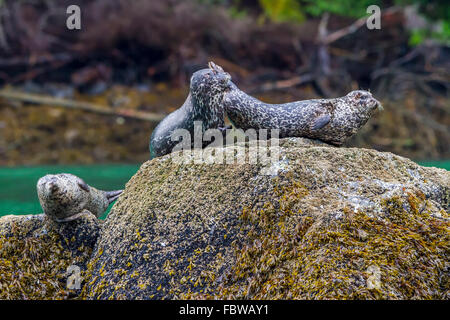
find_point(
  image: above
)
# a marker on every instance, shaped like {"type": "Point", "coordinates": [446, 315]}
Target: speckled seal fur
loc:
{"type": "Point", "coordinates": [204, 103]}
{"type": "Point", "coordinates": [330, 120]}
{"type": "Point", "coordinates": [65, 197]}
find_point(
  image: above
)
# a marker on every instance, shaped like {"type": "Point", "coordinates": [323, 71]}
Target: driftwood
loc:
{"type": "Point", "coordinates": [80, 105]}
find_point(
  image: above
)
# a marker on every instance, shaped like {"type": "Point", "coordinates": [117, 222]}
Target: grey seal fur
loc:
{"type": "Point", "coordinates": [204, 103]}
{"type": "Point", "coordinates": [65, 197]}
{"type": "Point", "coordinates": [329, 120]}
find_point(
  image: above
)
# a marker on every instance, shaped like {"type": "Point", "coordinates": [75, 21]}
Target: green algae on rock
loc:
{"type": "Point", "coordinates": [35, 254]}
{"type": "Point", "coordinates": [328, 223]}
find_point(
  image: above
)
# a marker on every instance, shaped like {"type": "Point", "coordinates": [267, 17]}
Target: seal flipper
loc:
{"type": "Point", "coordinates": [215, 67]}
{"type": "Point", "coordinates": [113, 195]}
{"type": "Point", "coordinates": [321, 122]}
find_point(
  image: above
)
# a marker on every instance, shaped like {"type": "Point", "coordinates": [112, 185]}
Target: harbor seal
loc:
{"type": "Point", "coordinates": [204, 103]}
{"type": "Point", "coordinates": [65, 197]}
{"type": "Point", "coordinates": [329, 120]}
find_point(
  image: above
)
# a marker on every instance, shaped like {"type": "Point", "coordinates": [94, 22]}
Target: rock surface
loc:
{"type": "Point", "coordinates": [320, 223]}
{"type": "Point", "coordinates": [35, 254]}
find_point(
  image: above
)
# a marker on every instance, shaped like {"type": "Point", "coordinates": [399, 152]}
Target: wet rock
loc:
{"type": "Point", "coordinates": [319, 223]}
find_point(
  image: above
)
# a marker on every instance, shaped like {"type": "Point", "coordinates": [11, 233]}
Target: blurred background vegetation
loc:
{"type": "Point", "coordinates": [132, 60]}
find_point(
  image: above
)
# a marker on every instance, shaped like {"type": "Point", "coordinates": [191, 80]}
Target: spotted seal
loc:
{"type": "Point", "coordinates": [204, 103]}
{"type": "Point", "coordinates": [330, 120]}
{"type": "Point", "coordinates": [65, 197]}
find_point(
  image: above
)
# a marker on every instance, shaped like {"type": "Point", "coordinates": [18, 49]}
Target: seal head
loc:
{"type": "Point", "coordinates": [350, 113]}
{"type": "Point", "coordinates": [64, 197]}
{"type": "Point", "coordinates": [207, 89]}
{"type": "Point", "coordinates": [364, 101]}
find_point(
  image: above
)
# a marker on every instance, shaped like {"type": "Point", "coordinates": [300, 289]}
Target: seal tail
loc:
{"type": "Point", "coordinates": [113, 195]}
{"type": "Point", "coordinates": [215, 67]}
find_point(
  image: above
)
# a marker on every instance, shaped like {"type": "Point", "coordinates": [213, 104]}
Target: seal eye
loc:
{"type": "Point", "coordinates": [224, 80]}
{"type": "Point", "coordinates": [83, 185]}
{"type": "Point", "coordinates": [366, 96]}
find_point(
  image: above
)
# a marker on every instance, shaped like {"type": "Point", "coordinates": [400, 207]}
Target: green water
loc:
{"type": "Point", "coordinates": [438, 164]}
{"type": "Point", "coordinates": [18, 185]}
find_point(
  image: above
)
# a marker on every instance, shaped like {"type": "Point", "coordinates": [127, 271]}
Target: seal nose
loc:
{"type": "Point", "coordinates": [52, 187]}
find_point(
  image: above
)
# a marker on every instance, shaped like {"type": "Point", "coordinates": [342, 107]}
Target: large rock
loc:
{"type": "Point", "coordinates": [321, 223]}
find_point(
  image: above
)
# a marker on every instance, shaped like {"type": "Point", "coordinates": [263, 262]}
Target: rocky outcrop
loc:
{"type": "Point", "coordinates": [320, 223]}
{"type": "Point", "coordinates": [40, 258]}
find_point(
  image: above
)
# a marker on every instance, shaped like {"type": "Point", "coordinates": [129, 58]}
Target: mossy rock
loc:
{"type": "Point", "coordinates": [322, 223]}
{"type": "Point", "coordinates": [35, 254]}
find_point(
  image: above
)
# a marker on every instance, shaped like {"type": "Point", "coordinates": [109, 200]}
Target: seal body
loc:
{"type": "Point", "coordinates": [330, 120]}
{"type": "Point", "coordinates": [64, 197]}
{"type": "Point", "coordinates": [203, 104]}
